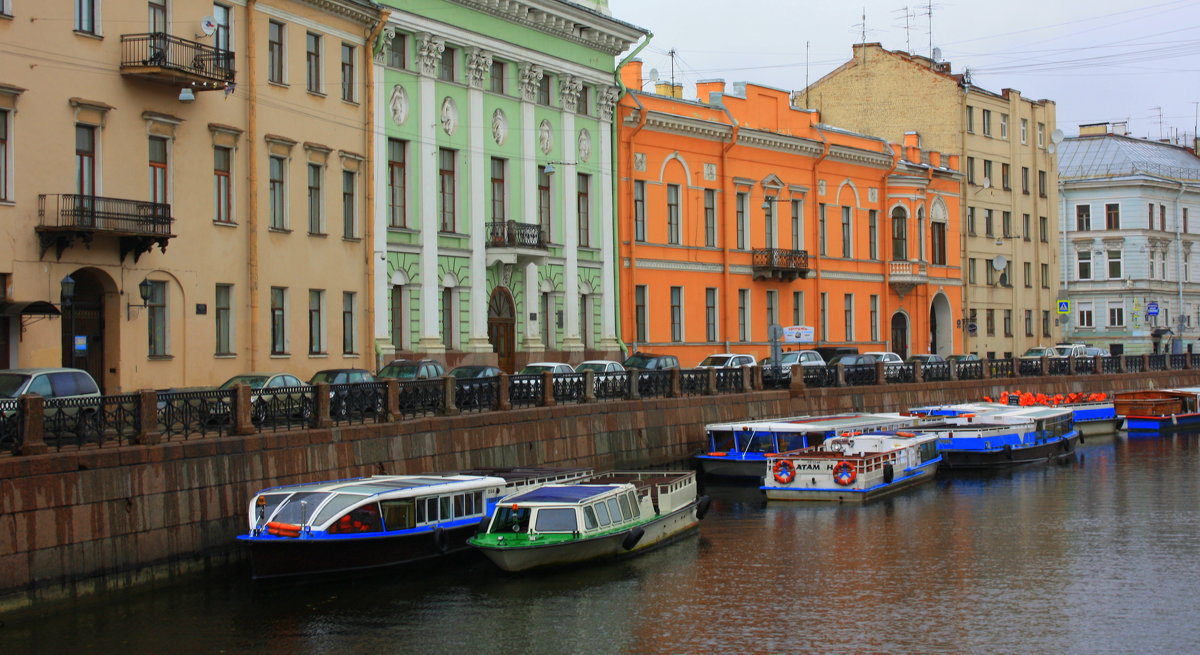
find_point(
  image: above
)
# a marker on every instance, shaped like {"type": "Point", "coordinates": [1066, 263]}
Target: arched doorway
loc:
{"type": "Point", "coordinates": [83, 324]}
{"type": "Point", "coordinates": [502, 327]}
{"type": "Point", "coordinates": [900, 335]}
{"type": "Point", "coordinates": [941, 336]}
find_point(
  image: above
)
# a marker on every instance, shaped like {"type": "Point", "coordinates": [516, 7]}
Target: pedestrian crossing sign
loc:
{"type": "Point", "coordinates": [1064, 307]}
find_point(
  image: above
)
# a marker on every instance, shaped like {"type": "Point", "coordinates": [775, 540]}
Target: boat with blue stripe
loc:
{"type": "Point", "coordinates": [855, 468]}
{"type": "Point", "coordinates": [741, 449]}
{"type": "Point", "coordinates": [989, 436]}
{"type": "Point", "coordinates": [358, 524]}
{"type": "Point", "coordinates": [1158, 410]}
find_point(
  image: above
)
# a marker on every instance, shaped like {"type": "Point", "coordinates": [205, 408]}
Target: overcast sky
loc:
{"type": "Point", "coordinates": [1098, 60]}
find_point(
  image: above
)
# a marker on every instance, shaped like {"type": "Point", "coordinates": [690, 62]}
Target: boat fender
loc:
{"type": "Point", "coordinates": [1008, 451]}
{"type": "Point", "coordinates": [483, 525]}
{"type": "Point", "coordinates": [702, 507]}
{"type": "Point", "coordinates": [1080, 437]}
{"type": "Point", "coordinates": [440, 540]}
{"type": "Point", "coordinates": [632, 539]}
{"type": "Point", "coordinates": [889, 474]}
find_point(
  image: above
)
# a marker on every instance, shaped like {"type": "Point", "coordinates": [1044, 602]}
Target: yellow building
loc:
{"type": "Point", "coordinates": [1010, 190]}
{"type": "Point", "coordinates": [194, 175]}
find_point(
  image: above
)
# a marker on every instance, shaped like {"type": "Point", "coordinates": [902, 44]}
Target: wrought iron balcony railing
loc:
{"type": "Point", "coordinates": [779, 264]}
{"type": "Point", "coordinates": [511, 234]}
{"type": "Point", "coordinates": [170, 59]}
{"type": "Point", "coordinates": [138, 224]}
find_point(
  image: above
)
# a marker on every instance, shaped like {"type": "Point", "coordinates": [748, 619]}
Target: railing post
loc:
{"type": "Point", "coordinates": [841, 374]}
{"type": "Point", "coordinates": [1071, 364]}
{"type": "Point", "coordinates": [797, 382]}
{"type": "Point", "coordinates": [673, 391]}
{"type": "Point", "coordinates": [880, 373]}
{"type": "Point", "coordinates": [1097, 364]}
{"type": "Point", "coordinates": [321, 403]}
{"type": "Point", "coordinates": [503, 402]}
{"type": "Point", "coordinates": [918, 371]}
{"type": "Point", "coordinates": [391, 400]}
{"type": "Point", "coordinates": [148, 433]}
{"type": "Point", "coordinates": [747, 379]}
{"type": "Point", "coordinates": [547, 389]}
{"type": "Point", "coordinates": [450, 393]}
{"type": "Point", "coordinates": [1145, 363]}
{"type": "Point", "coordinates": [986, 369]}
{"type": "Point", "coordinates": [240, 411]}
{"type": "Point", "coordinates": [1120, 363]}
{"type": "Point", "coordinates": [633, 384]}
{"type": "Point", "coordinates": [710, 383]}
{"type": "Point", "coordinates": [1045, 364]}
{"type": "Point", "coordinates": [756, 374]}
{"type": "Point", "coordinates": [589, 386]}
{"type": "Point", "coordinates": [953, 369]}
{"type": "Point", "coordinates": [32, 408]}
{"type": "Point", "coordinates": [1187, 360]}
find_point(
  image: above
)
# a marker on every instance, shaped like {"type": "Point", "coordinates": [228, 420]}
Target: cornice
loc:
{"type": "Point", "coordinates": [857, 156]}
{"type": "Point", "coordinates": [780, 142]}
{"type": "Point", "coordinates": [663, 122]}
{"type": "Point", "coordinates": [564, 21]}
{"type": "Point", "coordinates": [355, 11]}
{"type": "Point", "coordinates": [669, 265]}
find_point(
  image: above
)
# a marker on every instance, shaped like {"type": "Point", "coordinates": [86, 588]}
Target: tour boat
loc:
{"type": "Point", "coordinates": [854, 468]}
{"type": "Point", "coordinates": [1004, 437]}
{"type": "Point", "coordinates": [366, 523]}
{"type": "Point", "coordinates": [741, 449]}
{"type": "Point", "coordinates": [1158, 409]}
{"type": "Point", "coordinates": [607, 516]}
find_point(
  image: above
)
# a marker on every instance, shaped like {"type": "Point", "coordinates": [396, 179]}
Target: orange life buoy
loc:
{"type": "Point", "coordinates": [905, 434]}
{"type": "Point", "coordinates": [783, 471]}
{"type": "Point", "coordinates": [844, 473]}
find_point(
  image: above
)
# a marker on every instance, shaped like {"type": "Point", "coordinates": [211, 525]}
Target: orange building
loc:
{"type": "Point", "coordinates": [739, 211]}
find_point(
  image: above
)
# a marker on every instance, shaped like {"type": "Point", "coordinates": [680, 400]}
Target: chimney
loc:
{"type": "Point", "coordinates": [953, 163]}
{"type": "Point", "coordinates": [705, 89]}
{"type": "Point", "coordinates": [631, 74]}
{"type": "Point", "coordinates": [935, 159]}
{"type": "Point", "coordinates": [664, 89]}
{"type": "Point", "coordinates": [677, 91]}
{"type": "Point", "coordinates": [1121, 128]}
{"type": "Point", "coordinates": [1093, 129]}
{"type": "Point", "coordinates": [912, 147]}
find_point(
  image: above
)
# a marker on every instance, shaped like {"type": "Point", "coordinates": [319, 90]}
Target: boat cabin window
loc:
{"type": "Point", "coordinates": [556, 519]}
{"type": "Point", "coordinates": [589, 518]}
{"type": "Point", "coordinates": [447, 503]}
{"type": "Point", "coordinates": [636, 510]}
{"type": "Point", "coordinates": [264, 512]}
{"type": "Point", "coordinates": [336, 505]}
{"type": "Point", "coordinates": [755, 442]}
{"type": "Point", "coordinates": [626, 510]}
{"type": "Point", "coordinates": [721, 440]}
{"type": "Point", "coordinates": [359, 519]}
{"type": "Point", "coordinates": [790, 441]}
{"type": "Point", "coordinates": [427, 510]}
{"type": "Point", "coordinates": [299, 507]}
{"type": "Point", "coordinates": [928, 451]}
{"type": "Point", "coordinates": [602, 514]}
{"type": "Point", "coordinates": [468, 504]}
{"type": "Point", "coordinates": [507, 519]}
{"type": "Point", "coordinates": [399, 514]}
{"type": "Point", "coordinates": [614, 508]}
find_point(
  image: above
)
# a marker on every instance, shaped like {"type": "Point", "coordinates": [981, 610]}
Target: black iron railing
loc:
{"type": "Point", "coordinates": [969, 370]}
{"type": "Point", "coordinates": [422, 397]}
{"type": "Point", "coordinates": [568, 387]}
{"type": "Point", "coordinates": [693, 382]}
{"type": "Point", "coordinates": [936, 371]}
{"type": "Point", "coordinates": [96, 213]}
{"type": "Point", "coordinates": [779, 263]}
{"type": "Point", "coordinates": [729, 380]}
{"type": "Point", "coordinates": [358, 402]}
{"type": "Point", "coordinates": [857, 374]}
{"type": "Point", "coordinates": [283, 408]}
{"type": "Point", "coordinates": [181, 58]}
{"type": "Point", "coordinates": [195, 413]}
{"type": "Point", "coordinates": [477, 394]}
{"type": "Point", "coordinates": [654, 384]}
{"type": "Point", "coordinates": [526, 390]}
{"type": "Point", "coordinates": [511, 234]}
{"type": "Point", "coordinates": [612, 386]}
{"type": "Point", "coordinates": [10, 426]}
{"type": "Point", "coordinates": [90, 421]}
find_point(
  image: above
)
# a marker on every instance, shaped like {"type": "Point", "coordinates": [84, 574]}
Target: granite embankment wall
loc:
{"type": "Point", "coordinates": [75, 522]}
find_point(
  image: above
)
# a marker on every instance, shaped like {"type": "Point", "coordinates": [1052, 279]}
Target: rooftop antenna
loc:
{"type": "Point", "coordinates": [927, 12]}
{"type": "Point", "coordinates": [806, 84]}
{"type": "Point", "coordinates": [671, 53]}
{"type": "Point", "coordinates": [1160, 132]}
{"type": "Point", "coordinates": [908, 16]}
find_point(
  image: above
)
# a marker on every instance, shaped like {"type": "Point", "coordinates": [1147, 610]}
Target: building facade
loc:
{"type": "Point", "coordinates": [1010, 245]}
{"type": "Point", "coordinates": [1128, 243]}
{"type": "Point", "coordinates": [495, 181]}
{"type": "Point", "coordinates": [739, 211]}
{"type": "Point", "coordinates": [183, 188]}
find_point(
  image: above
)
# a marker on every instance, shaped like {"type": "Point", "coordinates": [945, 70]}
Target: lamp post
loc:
{"type": "Point", "coordinates": [67, 294]}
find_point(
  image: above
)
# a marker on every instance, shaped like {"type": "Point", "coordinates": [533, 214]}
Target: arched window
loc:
{"type": "Point", "coordinates": [899, 235]}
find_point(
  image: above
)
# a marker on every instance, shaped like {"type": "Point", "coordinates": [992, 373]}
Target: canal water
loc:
{"type": "Point", "coordinates": [1100, 555]}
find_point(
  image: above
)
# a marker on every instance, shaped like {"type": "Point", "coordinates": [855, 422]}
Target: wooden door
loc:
{"type": "Point", "coordinates": [900, 335]}
{"type": "Point", "coordinates": [502, 327]}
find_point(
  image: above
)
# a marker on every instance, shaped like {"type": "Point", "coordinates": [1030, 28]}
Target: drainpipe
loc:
{"type": "Point", "coordinates": [1177, 344]}
{"type": "Point", "coordinates": [251, 70]}
{"type": "Point", "coordinates": [730, 197]}
{"type": "Point", "coordinates": [886, 220]}
{"type": "Point", "coordinates": [816, 214]}
{"type": "Point", "coordinates": [616, 245]}
{"type": "Point", "coordinates": [1066, 263]}
{"type": "Point", "coordinates": [367, 327]}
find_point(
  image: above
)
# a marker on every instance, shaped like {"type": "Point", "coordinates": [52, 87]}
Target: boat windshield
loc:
{"type": "Point", "coordinates": [721, 440]}
{"type": "Point", "coordinates": [509, 519]}
{"type": "Point", "coordinates": [751, 441]}
{"type": "Point", "coordinates": [299, 508]}
{"type": "Point", "coordinates": [556, 519]}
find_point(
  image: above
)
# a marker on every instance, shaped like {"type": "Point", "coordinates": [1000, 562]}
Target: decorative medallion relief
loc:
{"type": "Point", "coordinates": [710, 172]}
{"type": "Point", "coordinates": [872, 195]}
{"type": "Point", "coordinates": [584, 145]}
{"type": "Point", "coordinates": [820, 187]}
{"type": "Point", "coordinates": [499, 126]}
{"type": "Point", "coordinates": [545, 136]}
{"type": "Point", "coordinates": [639, 162]}
{"type": "Point", "coordinates": [399, 105]}
{"type": "Point", "coordinates": [449, 115]}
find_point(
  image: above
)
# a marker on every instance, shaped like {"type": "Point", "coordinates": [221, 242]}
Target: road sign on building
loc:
{"type": "Point", "coordinates": [1064, 307]}
{"type": "Point", "coordinates": [1152, 309]}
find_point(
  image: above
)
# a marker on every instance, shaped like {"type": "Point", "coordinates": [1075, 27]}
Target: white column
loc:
{"type": "Point", "coordinates": [569, 87]}
{"type": "Point", "coordinates": [382, 290]}
{"type": "Point", "coordinates": [478, 63]}
{"type": "Point", "coordinates": [429, 51]}
{"type": "Point", "coordinates": [605, 189]}
{"type": "Point", "coordinates": [533, 338]}
{"type": "Point", "coordinates": [530, 77]}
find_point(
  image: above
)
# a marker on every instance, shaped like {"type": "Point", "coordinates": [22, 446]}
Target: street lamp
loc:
{"type": "Point", "coordinates": [66, 293]}
{"type": "Point", "coordinates": [145, 289]}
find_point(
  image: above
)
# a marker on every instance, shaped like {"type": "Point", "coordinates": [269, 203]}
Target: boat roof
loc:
{"type": "Point", "coordinates": [378, 484]}
{"type": "Point", "coordinates": [557, 493]}
{"type": "Point", "coordinates": [818, 423]}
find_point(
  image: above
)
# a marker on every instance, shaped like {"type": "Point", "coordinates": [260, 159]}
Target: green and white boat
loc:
{"type": "Point", "coordinates": [610, 515]}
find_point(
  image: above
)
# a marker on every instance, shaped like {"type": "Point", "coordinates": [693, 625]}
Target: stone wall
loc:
{"type": "Point", "coordinates": [78, 521]}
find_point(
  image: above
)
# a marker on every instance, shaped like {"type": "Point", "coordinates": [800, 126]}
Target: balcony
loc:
{"type": "Point", "coordinates": [178, 62]}
{"type": "Point", "coordinates": [138, 225]}
{"type": "Point", "coordinates": [779, 264]}
{"type": "Point", "coordinates": [509, 242]}
{"type": "Point", "coordinates": [903, 276]}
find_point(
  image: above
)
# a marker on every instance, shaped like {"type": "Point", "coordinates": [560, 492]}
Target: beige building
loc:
{"type": "Point", "coordinates": [193, 174]}
{"type": "Point", "coordinates": [1010, 190]}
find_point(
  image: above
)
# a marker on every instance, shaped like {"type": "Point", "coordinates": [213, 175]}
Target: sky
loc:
{"type": "Point", "coordinates": [1098, 60]}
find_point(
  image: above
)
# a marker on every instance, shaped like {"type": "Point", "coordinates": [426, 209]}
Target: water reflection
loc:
{"type": "Point", "coordinates": [1093, 556]}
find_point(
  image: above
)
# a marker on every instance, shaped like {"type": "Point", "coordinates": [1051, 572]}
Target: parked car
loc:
{"type": "Point", "coordinates": [926, 358]}
{"type": "Point", "coordinates": [345, 402]}
{"type": "Point", "coordinates": [727, 360]}
{"type": "Point", "coordinates": [651, 361]}
{"type": "Point", "coordinates": [853, 359]}
{"type": "Point", "coordinates": [1069, 350]}
{"type": "Point", "coordinates": [827, 353]}
{"type": "Point", "coordinates": [968, 357]}
{"type": "Point", "coordinates": [1093, 351]}
{"type": "Point", "coordinates": [536, 368]}
{"type": "Point", "coordinates": [801, 357]}
{"type": "Point", "coordinates": [1038, 352]}
{"type": "Point", "coordinates": [407, 369]}
{"type": "Point", "coordinates": [600, 366]}
{"type": "Point", "coordinates": [261, 403]}
{"type": "Point", "coordinates": [885, 356]}
{"type": "Point", "coordinates": [474, 371]}
{"type": "Point", "coordinates": [51, 383]}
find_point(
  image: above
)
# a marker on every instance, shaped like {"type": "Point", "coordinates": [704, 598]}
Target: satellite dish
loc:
{"type": "Point", "coordinates": [653, 76]}
{"type": "Point", "coordinates": [1057, 136]}
{"type": "Point", "coordinates": [1004, 279]}
{"type": "Point", "coordinates": [999, 262]}
{"type": "Point", "coordinates": [937, 54]}
{"type": "Point", "coordinates": [1050, 148]}
{"type": "Point", "coordinates": [987, 183]}
{"type": "Point", "coordinates": [208, 25]}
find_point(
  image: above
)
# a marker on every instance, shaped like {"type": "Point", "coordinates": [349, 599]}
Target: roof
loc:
{"type": "Point", "coordinates": [560, 494]}
{"type": "Point", "coordinates": [1113, 156]}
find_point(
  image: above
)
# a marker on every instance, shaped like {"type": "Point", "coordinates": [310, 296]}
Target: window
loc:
{"type": "Point", "coordinates": [824, 316]}
{"type": "Point", "coordinates": [1083, 315]}
{"type": "Point", "coordinates": [1025, 220]}
{"type": "Point", "coordinates": [156, 310]}
{"type": "Point", "coordinates": [1116, 314]}
{"type": "Point", "coordinates": [1083, 217]}
{"type": "Point", "coordinates": [397, 183]}
{"type": "Point", "coordinates": [223, 316]}
{"type": "Point", "coordinates": [348, 72]}
{"type": "Point", "coordinates": [544, 201]}
{"type": "Point", "coordinates": [848, 315]}
{"type": "Point", "coordinates": [768, 207]}
{"type": "Point", "coordinates": [847, 244]}
{"type": "Point", "coordinates": [710, 218]}
{"type": "Point", "coordinates": [316, 214]}
{"type": "Point", "coordinates": [222, 193]}
{"type": "Point", "coordinates": [1028, 270]}
{"type": "Point", "coordinates": [497, 78]}
{"type": "Point", "coordinates": [639, 210]}
{"type": "Point", "coordinates": [987, 122]}
{"type": "Point", "coordinates": [874, 317]}
{"type": "Point", "coordinates": [797, 308]}
{"type": "Point", "coordinates": [710, 314]}
{"type": "Point", "coordinates": [1006, 223]}
{"type": "Point", "coordinates": [349, 323]}
{"type": "Point", "coordinates": [447, 186]}
{"type": "Point", "coordinates": [639, 312]}
{"type": "Point", "coordinates": [158, 170]}
{"type": "Point", "coordinates": [1041, 135]}
{"type": "Point", "coordinates": [1114, 264]}
{"type": "Point", "coordinates": [85, 160]}
{"type": "Point", "coordinates": [971, 276]}
{"type": "Point", "coordinates": [970, 118]}
{"type": "Point", "coordinates": [1008, 316]}
{"type": "Point", "coordinates": [741, 221]}
{"type": "Point", "coordinates": [278, 320]}
{"type": "Point", "coordinates": [772, 307]}
{"type": "Point", "coordinates": [543, 91]}
{"type": "Point", "coordinates": [275, 52]}
{"type": "Point", "coordinates": [1162, 217]}
{"type": "Point", "coordinates": [1025, 179]}
{"type": "Point", "coordinates": [446, 64]}
{"type": "Point", "coordinates": [990, 270]}
{"type": "Point", "coordinates": [1024, 130]}
{"type": "Point", "coordinates": [743, 314]}
{"type": "Point", "coordinates": [316, 321]}
{"type": "Point", "coordinates": [971, 221]}
{"type": "Point", "coordinates": [1042, 183]}
{"type": "Point", "coordinates": [1029, 322]}
{"type": "Point", "coordinates": [584, 102]}
{"type": "Point", "coordinates": [970, 170]}
{"type": "Point", "coordinates": [5, 194]}
{"type": "Point", "coordinates": [312, 58]}
{"type": "Point", "coordinates": [821, 229]}
{"type": "Point", "coordinates": [872, 234]}
{"type": "Point", "coordinates": [157, 8]}
{"type": "Point", "coordinates": [1005, 177]}
{"type": "Point", "coordinates": [1045, 276]}
{"type": "Point", "coordinates": [990, 322]}
{"type": "Point", "coordinates": [987, 223]}
{"type": "Point", "coordinates": [86, 15]}
{"type": "Point", "coordinates": [677, 314]}
{"type": "Point", "coordinates": [1043, 230]}
{"type": "Point", "coordinates": [277, 191]}
{"type": "Point", "coordinates": [899, 235]}
{"type": "Point", "coordinates": [1084, 266]}
{"type": "Point", "coordinates": [223, 36]}
{"type": "Point", "coordinates": [673, 214]}
{"type": "Point", "coordinates": [987, 173]}
{"type": "Point", "coordinates": [499, 191]}
{"type": "Point", "coordinates": [397, 52]}
{"type": "Point", "coordinates": [1003, 126]}
{"type": "Point", "coordinates": [583, 206]}
{"type": "Point", "coordinates": [1185, 217]}
{"type": "Point", "coordinates": [349, 205]}
{"type": "Point", "coordinates": [798, 224]}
